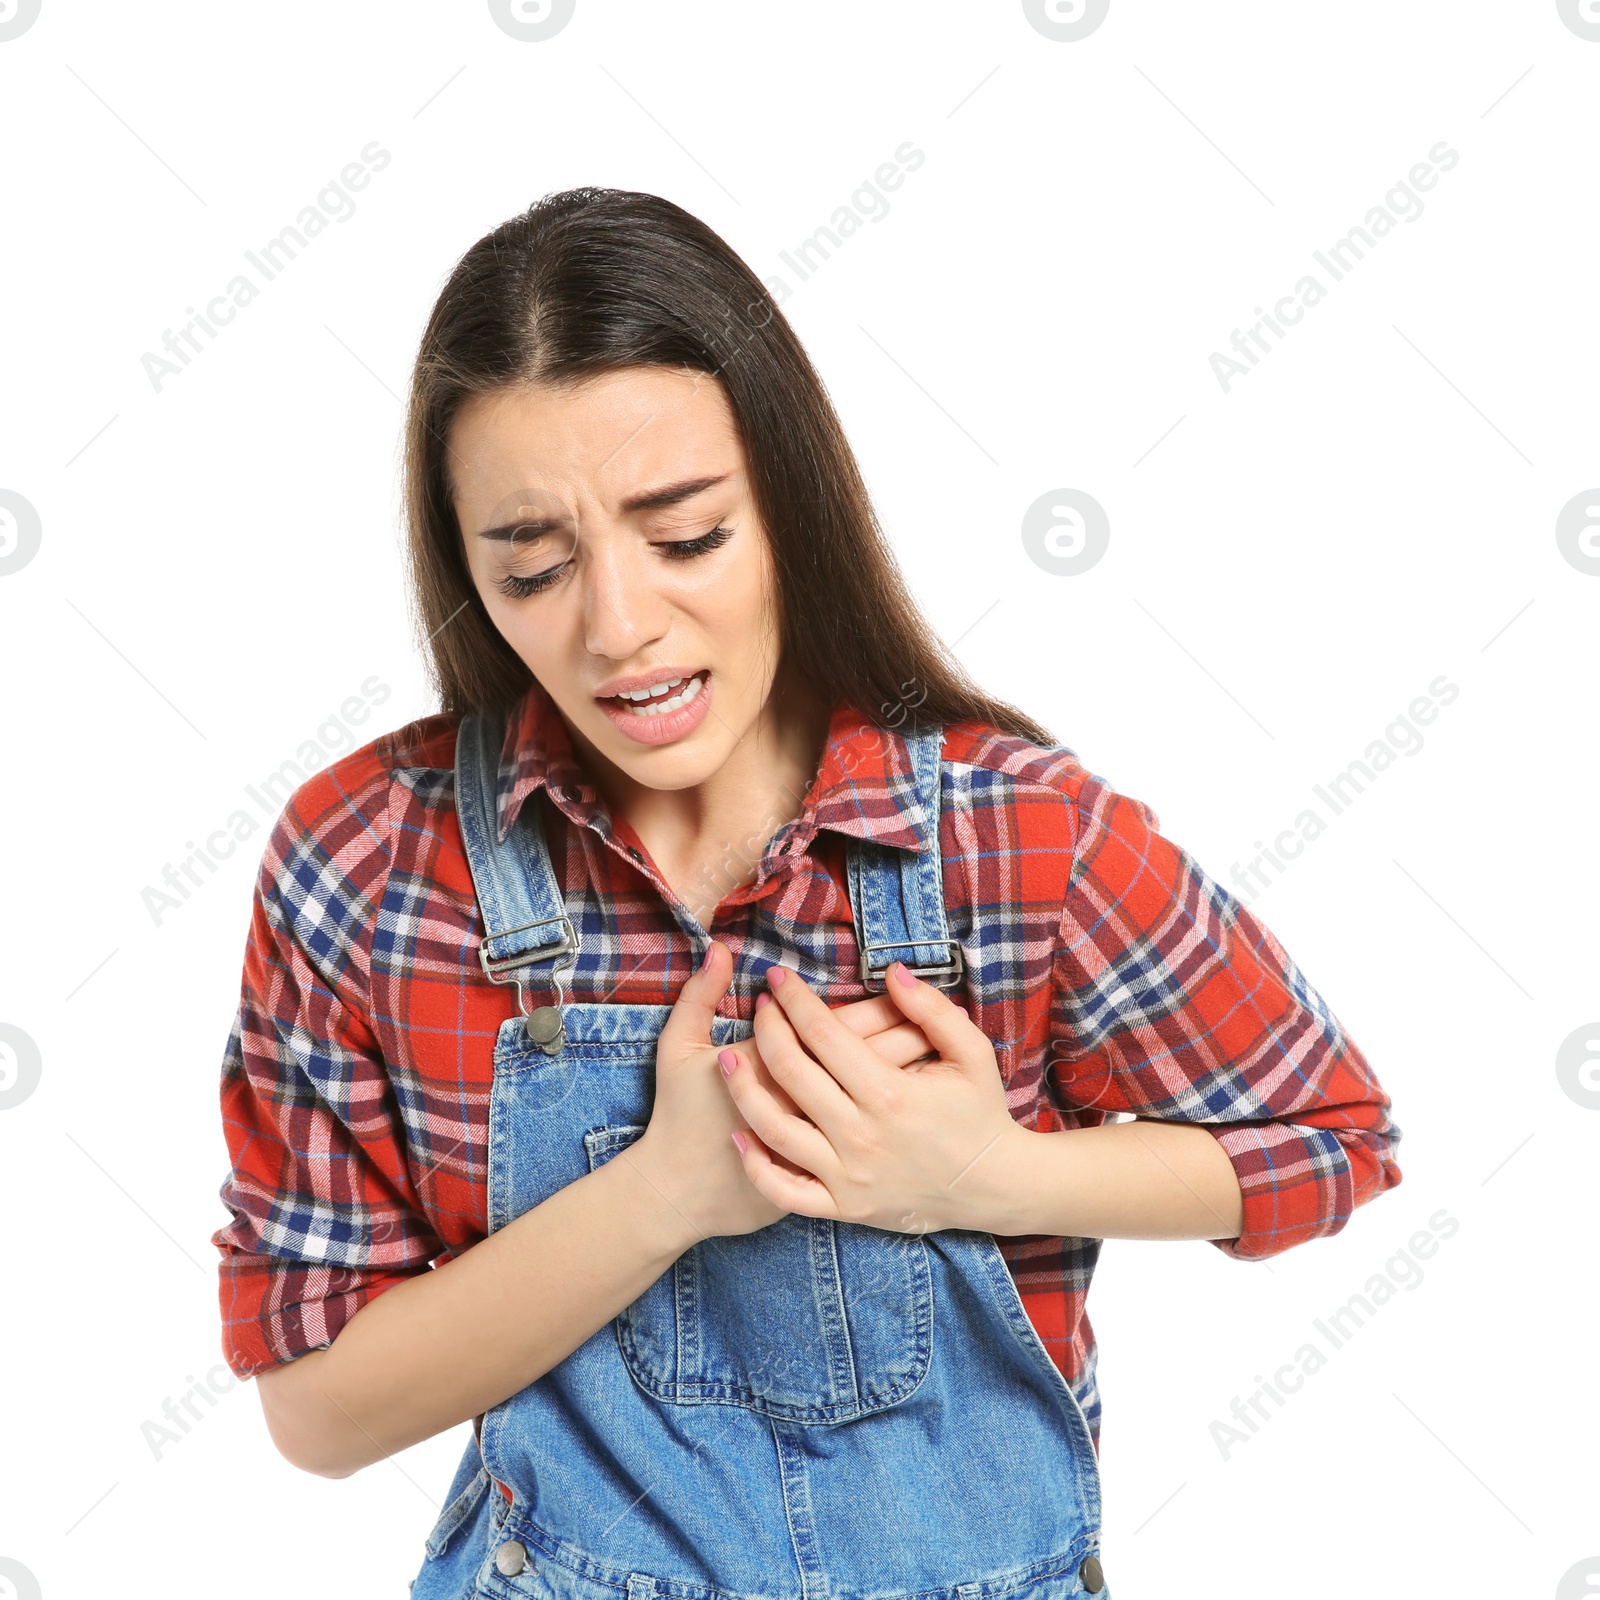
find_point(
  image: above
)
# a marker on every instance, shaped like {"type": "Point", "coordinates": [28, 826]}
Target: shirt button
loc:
{"type": "Point", "coordinates": [570, 794]}
{"type": "Point", "coordinates": [1089, 1574]}
{"type": "Point", "coordinates": [511, 1558]}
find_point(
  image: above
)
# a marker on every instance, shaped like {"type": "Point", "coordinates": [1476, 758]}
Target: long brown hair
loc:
{"type": "Point", "coordinates": [591, 280]}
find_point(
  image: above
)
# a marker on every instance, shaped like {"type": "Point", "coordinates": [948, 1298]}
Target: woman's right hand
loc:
{"type": "Point", "coordinates": [686, 1152]}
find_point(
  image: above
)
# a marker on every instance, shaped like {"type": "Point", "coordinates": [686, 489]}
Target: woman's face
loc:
{"type": "Point", "coordinates": [611, 533]}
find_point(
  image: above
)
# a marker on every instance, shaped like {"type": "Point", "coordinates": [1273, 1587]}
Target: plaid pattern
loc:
{"type": "Point", "coordinates": [1111, 973]}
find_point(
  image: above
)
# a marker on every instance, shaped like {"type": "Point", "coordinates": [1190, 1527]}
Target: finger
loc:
{"type": "Point", "coordinates": [901, 1046]}
{"type": "Point", "coordinates": [784, 1186]}
{"type": "Point", "coordinates": [749, 1050]}
{"type": "Point", "coordinates": [794, 1138]}
{"type": "Point", "coordinates": [952, 1031]}
{"type": "Point", "coordinates": [878, 1021]}
{"type": "Point", "coordinates": [815, 1090]}
{"type": "Point", "coordinates": [688, 1026]}
{"type": "Point", "coordinates": [854, 1066]}
{"type": "Point", "coordinates": [868, 1017]}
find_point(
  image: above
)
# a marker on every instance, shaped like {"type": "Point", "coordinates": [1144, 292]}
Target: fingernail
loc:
{"type": "Point", "coordinates": [738, 1139]}
{"type": "Point", "coordinates": [903, 973]}
{"type": "Point", "coordinates": [763, 999]}
{"type": "Point", "coordinates": [707, 962]}
{"type": "Point", "coordinates": [728, 1061]}
{"type": "Point", "coordinates": [775, 976]}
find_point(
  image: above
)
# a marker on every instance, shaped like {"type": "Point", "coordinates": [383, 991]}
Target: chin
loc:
{"type": "Point", "coordinates": [680, 764]}
{"type": "Point", "coordinates": [673, 769]}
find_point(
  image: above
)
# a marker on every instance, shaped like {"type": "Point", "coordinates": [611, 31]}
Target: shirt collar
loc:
{"type": "Point", "coordinates": [537, 752]}
{"type": "Point", "coordinates": [865, 785]}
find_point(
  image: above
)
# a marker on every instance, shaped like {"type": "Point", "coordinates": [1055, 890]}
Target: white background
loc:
{"type": "Point", "coordinates": [1290, 566]}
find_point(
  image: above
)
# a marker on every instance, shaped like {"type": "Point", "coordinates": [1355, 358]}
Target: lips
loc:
{"type": "Point", "coordinates": [665, 695]}
{"type": "Point", "coordinates": [661, 711]}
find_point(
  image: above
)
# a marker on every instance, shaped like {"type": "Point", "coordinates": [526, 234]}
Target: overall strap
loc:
{"type": "Point", "coordinates": [897, 895]}
{"type": "Point", "coordinates": [524, 913]}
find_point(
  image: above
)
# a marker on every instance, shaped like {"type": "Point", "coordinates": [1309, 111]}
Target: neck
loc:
{"type": "Point", "coordinates": [707, 839]}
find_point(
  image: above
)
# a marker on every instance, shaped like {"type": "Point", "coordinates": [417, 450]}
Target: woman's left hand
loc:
{"type": "Point", "coordinates": [913, 1149]}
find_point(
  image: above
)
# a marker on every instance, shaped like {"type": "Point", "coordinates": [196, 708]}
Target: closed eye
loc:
{"type": "Point", "coordinates": [684, 549]}
{"type": "Point", "coordinates": [519, 588]}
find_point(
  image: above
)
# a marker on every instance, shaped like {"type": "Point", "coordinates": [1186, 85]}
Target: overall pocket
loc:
{"type": "Point", "coordinates": [460, 1505]}
{"type": "Point", "coordinates": [807, 1319]}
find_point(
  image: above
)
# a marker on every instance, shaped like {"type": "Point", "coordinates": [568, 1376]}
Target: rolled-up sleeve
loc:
{"type": "Point", "coordinates": [1171, 1000]}
{"type": "Point", "coordinates": [323, 1218]}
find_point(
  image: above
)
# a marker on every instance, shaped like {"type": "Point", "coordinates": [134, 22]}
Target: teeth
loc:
{"type": "Point", "coordinates": [645, 694]}
{"type": "Point", "coordinates": [677, 701]}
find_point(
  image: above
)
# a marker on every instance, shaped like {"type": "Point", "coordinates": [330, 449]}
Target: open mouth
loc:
{"type": "Point", "coordinates": [663, 712]}
{"type": "Point", "coordinates": [660, 698]}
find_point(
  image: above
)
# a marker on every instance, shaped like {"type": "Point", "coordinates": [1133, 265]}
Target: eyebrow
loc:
{"type": "Point", "coordinates": [649, 500]}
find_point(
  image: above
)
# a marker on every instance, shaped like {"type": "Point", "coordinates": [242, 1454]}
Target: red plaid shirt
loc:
{"type": "Point", "coordinates": [1118, 976]}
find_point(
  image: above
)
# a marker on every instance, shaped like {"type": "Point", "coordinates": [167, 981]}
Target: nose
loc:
{"type": "Point", "coordinates": [623, 610]}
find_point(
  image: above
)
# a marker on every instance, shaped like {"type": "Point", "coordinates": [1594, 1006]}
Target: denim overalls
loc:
{"type": "Point", "coordinates": [814, 1411]}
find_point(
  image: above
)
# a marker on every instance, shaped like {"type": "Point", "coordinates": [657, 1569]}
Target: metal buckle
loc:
{"type": "Point", "coordinates": [952, 970]}
{"type": "Point", "coordinates": [543, 1025]}
{"type": "Point", "coordinates": [493, 967]}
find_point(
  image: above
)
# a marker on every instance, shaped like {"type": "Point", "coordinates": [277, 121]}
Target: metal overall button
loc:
{"type": "Point", "coordinates": [511, 1558]}
{"type": "Point", "coordinates": [1091, 1576]}
{"type": "Point", "coordinates": [544, 1027]}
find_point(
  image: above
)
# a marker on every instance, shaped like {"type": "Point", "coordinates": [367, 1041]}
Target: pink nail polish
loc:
{"type": "Point", "coordinates": [763, 999]}
{"type": "Point", "coordinates": [707, 961]}
{"type": "Point", "coordinates": [775, 976]}
{"type": "Point", "coordinates": [903, 973]}
{"type": "Point", "coordinates": [728, 1061]}
{"type": "Point", "coordinates": [738, 1138]}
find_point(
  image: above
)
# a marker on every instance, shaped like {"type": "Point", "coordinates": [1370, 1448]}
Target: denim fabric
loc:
{"type": "Point", "coordinates": [814, 1409]}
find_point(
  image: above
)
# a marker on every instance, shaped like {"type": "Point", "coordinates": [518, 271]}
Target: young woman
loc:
{"type": "Point", "coordinates": [728, 1000]}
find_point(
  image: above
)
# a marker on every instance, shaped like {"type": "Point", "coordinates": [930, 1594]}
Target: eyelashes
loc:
{"type": "Point", "coordinates": [518, 588]}
{"type": "Point", "coordinates": [687, 549]}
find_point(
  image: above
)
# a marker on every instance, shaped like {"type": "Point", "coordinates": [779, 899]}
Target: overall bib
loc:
{"type": "Point", "coordinates": [817, 1410]}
